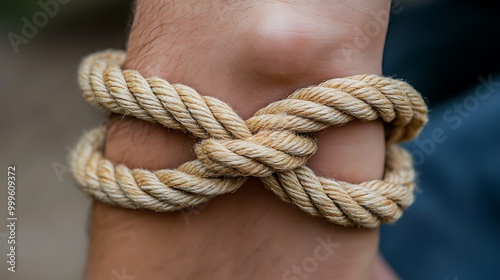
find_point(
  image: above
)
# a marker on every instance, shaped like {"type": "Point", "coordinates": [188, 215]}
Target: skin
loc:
{"type": "Point", "coordinates": [248, 54]}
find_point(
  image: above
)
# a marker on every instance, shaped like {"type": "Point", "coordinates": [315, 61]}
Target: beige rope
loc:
{"type": "Point", "coordinates": [273, 145]}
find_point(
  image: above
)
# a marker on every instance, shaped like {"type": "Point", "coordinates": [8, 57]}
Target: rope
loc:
{"type": "Point", "coordinates": [273, 145]}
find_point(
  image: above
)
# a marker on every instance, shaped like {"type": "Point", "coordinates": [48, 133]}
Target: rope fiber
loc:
{"type": "Point", "coordinates": [273, 145]}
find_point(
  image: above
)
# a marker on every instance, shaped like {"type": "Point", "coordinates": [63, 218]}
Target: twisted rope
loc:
{"type": "Point", "coordinates": [273, 145]}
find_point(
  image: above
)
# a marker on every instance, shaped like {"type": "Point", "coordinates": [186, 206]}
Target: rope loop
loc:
{"type": "Point", "coordinates": [273, 145]}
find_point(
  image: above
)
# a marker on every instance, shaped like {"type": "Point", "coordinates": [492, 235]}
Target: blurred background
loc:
{"type": "Point", "coordinates": [43, 114]}
{"type": "Point", "coordinates": [449, 50]}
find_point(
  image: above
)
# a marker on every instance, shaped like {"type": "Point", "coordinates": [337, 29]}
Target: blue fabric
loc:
{"type": "Point", "coordinates": [453, 229]}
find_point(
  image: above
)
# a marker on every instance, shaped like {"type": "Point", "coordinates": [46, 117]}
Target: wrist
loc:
{"type": "Point", "coordinates": [247, 73]}
{"type": "Point", "coordinates": [255, 53]}
{"type": "Point", "coordinates": [248, 60]}
{"type": "Point", "coordinates": [260, 59]}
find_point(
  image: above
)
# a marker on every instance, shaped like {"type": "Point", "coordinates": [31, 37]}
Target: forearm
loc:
{"type": "Point", "coordinates": [219, 51]}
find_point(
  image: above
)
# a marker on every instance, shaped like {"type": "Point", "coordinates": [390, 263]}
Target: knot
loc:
{"type": "Point", "coordinates": [273, 145]}
{"type": "Point", "coordinates": [259, 155]}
